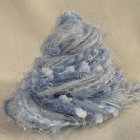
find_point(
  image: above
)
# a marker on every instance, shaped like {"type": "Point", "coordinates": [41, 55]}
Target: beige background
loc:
{"type": "Point", "coordinates": [23, 26]}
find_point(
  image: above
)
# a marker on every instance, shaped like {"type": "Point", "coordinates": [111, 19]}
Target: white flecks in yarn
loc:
{"type": "Point", "coordinates": [47, 71]}
{"type": "Point", "coordinates": [98, 118]}
{"type": "Point", "coordinates": [69, 69]}
{"type": "Point", "coordinates": [81, 113]}
{"type": "Point", "coordinates": [65, 99]}
{"type": "Point", "coordinates": [84, 67]}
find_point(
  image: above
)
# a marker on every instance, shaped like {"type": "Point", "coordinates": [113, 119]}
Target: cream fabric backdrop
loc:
{"type": "Point", "coordinates": [23, 26]}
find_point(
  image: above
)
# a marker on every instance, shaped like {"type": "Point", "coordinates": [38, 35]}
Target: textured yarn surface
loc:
{"type": "Point", "coordinates": [73, 83]}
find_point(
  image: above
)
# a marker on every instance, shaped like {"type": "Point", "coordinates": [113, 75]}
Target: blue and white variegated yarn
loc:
{"type": "Point", "coordinates": [73, 83]}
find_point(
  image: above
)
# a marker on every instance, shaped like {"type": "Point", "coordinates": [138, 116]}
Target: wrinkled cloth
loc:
{"type": "Point", "coordinates": [73, 83]}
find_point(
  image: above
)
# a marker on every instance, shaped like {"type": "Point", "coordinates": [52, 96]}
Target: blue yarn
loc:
{"type": "Point", "coordinates": [73, 83]}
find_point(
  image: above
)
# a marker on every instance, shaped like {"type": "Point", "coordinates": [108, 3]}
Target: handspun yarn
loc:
{"type": "Point", "coordinates": [73, 83]}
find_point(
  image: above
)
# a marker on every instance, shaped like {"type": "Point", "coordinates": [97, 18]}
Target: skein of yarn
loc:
{"type": "Point", "coordinates": [73, 83]}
